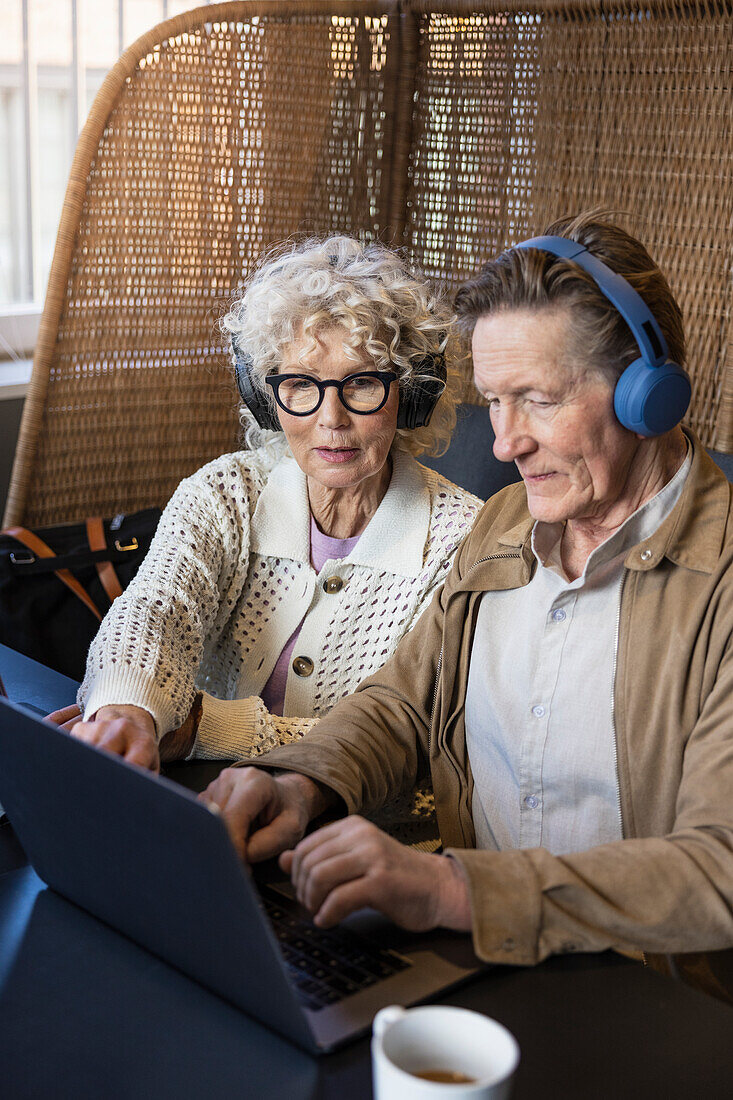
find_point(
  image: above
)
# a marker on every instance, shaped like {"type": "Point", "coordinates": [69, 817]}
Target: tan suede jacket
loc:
{"type": "Point", "coordinates": [667, 887]}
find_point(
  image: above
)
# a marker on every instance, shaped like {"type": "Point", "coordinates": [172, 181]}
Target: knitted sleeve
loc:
{"type": "Point", "coordinates": [238, 729]}
{"type": "Point", "coordinates": [150, 644]}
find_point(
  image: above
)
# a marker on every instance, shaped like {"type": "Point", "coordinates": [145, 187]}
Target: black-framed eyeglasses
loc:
{"type": "Point", "coordinates": [362, 393]}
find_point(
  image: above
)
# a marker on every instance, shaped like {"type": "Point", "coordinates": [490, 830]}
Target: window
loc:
{"type": "Point", "coordinates": [54, 55]}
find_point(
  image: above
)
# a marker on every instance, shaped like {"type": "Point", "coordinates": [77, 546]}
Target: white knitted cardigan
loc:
{"type": "Point", "coordinates": [228, 579]}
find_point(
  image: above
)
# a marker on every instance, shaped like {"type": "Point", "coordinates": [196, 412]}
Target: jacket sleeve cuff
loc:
{"type": "Point", "coordinates": [505, 905]}
{"type": "Point", "coordinates": [290, 758]}
{"type": "Point", "coordinates": [228, 728]}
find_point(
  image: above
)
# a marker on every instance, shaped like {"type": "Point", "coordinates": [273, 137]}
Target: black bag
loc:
{"type": "Point", "coordinates": [57, 583]}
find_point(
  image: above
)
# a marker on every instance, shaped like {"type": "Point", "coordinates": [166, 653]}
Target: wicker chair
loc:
{"type": "Point", "coordinates": [452, 129]}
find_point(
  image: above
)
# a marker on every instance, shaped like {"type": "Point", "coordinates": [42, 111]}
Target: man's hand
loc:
{"type": "Point", "coordinates": [178, 744]}
{"type": "Point", "coordinates": [352, 864]}
{"type": "Point", "coordinates": [124, 730]}
{"type": "Point", "coordinates": [265, 814]}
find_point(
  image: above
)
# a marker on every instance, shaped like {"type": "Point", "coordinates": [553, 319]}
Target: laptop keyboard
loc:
{"type": "Point", "coordinates": [327, 965]}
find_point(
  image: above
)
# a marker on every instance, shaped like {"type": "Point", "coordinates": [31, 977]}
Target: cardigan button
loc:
{"type": "Point", "coordinates": [303, 666]}
{"type": "Point", "coordinates": [332, 585]}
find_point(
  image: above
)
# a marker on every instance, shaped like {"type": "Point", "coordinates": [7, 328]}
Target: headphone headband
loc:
{"type": "Point", "coordinates": [653, 393]}
{"type": "Point", "coordinates": [619, 292]}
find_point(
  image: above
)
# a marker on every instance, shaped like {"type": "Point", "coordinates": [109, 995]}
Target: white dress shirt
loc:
{"type": "Point", "coordinates": [539, 705]}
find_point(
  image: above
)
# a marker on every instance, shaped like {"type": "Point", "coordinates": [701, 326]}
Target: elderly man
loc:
{"type": "Point", "coordinates": [569, 690]}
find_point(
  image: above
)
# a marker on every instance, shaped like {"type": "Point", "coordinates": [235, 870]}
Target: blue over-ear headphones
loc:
{"type": "Point", "coordinates": [653, 393]}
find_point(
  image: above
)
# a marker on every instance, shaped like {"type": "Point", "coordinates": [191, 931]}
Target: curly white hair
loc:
{"type": "Point", "coordinates": [386, 310]}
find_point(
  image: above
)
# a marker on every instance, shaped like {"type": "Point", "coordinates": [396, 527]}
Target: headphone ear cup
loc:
{"type": "Point", "coordinates": [651, 400]}
{"type": "Point", "coordinates": [253, 398]}
{"type": "Point", "coordinates": [406, 409]}
{"type": "Point", "coordinates": [418, 403]}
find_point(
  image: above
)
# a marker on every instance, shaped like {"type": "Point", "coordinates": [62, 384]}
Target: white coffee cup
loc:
{"type": "Point", "coordinates": [407, 1041]}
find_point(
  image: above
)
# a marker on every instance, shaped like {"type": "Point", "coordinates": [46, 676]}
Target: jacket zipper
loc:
{"type": "Point", "coordinates": [613, 718]}
{"type": "Point", "coordinates": [435, 697]}
{"type": "Point", "coordinates": [613, 704]}
{"type": "Point", "coordinates": [491, 557]}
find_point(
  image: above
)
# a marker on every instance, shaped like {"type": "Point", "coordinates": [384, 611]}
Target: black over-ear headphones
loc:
{"type": "Point", "coordinates": [418, 402]}
{"type": "Point", "coordinates": [415, 408]}
{"type": "Point", "coordinates": [264, 411]}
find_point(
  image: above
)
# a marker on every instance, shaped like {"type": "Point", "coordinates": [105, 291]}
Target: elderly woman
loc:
{"type": "Point", "coordinates": [282, 575]}
{"type": "Point", "coordinates": [570, 690]}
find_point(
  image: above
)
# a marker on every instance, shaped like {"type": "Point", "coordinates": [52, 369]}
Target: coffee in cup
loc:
{"type": "Point", "coordinates": [445, 1076]}
{"type": "Point", "coordinates": [466, 1053]}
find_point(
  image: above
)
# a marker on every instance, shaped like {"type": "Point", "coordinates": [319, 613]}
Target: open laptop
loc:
{"type": "Point", "coordinates": [142, 854]}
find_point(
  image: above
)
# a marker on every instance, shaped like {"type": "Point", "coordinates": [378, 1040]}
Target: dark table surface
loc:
{"type": "Point", "coordinates": [86, 1013]}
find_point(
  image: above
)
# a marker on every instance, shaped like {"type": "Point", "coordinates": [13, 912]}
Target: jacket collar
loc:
{"type": "Point", "coordinates": [519, 535]}
{"type": "Point", "coordinates": [692, 535]}
{"type": "Point", "coordinates": [393, 541]}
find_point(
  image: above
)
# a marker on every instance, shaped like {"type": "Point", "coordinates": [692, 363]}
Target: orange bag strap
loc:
{"type": "Point", "coordinates": [105, 569]}
{"type": "Point", "coordinates": [38, 547]}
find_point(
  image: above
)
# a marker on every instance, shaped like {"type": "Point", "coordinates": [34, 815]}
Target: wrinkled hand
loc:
{"type": "Point", "coordinates": [126, 731]}
{"type": "Point", "coordinates": [264, 814]}
{"type": "Point", "coordinates": [67, 717]}
{"type": "Point", "coordinates": [177, 744]}
{"type": "Point", "coordinates": [352, 864]}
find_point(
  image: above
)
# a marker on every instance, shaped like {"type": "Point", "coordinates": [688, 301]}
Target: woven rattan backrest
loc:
{"type": "Point", "coordinates": [534, 111]}
{"type": "Point", "coordinates": [453, 128]}
{"type": "Point", "coordinates": [217, 135]}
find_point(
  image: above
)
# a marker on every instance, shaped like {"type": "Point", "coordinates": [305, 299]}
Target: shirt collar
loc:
{"type": "Point", "coordinates": [393, 541]}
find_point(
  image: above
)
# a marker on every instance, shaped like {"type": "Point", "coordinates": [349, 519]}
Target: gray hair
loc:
{"type": "Point", "coordinates": [534, 280]}
{"type": "Point", "coordinates": [387, 310]}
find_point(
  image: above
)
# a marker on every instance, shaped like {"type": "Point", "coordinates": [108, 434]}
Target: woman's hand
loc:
{"type": "Point", "coordinates": [124, 730]}
{"type": "Point", "coordinates": [352, 864]}
{"type": "Point", "coordinates": [174, 745]}
{"type": "Point", "coordinates": [264, 814]}
{"type": "Point", "coordinates": [67, 717]}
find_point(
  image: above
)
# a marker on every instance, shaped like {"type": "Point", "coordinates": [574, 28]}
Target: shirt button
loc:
{"type": "Point", "coordinates": [333, 585]}
{"type": "Point", "coordinates": [538, 711]}
{"type": "Point", "coordinates": [645, 555]}
{"type": "Point", "coordinates": [302, 666]}
{"type": "Point", "coordinates": [508, 944]}
{"type": "Point", "coordinates": [531, 801]}
{"type": "Point", "coordinates": [558, 615]}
